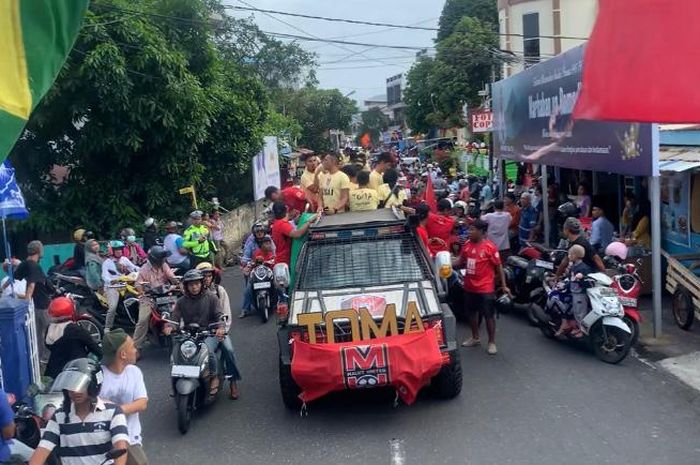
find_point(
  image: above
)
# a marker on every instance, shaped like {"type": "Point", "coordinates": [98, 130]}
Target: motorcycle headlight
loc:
{"type": "Point", "coordinates": [188, 349]}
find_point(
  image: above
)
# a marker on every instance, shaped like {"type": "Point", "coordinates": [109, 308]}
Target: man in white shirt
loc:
{"type": "Point", "coordinates": [499, 222]}
{"type": "Point", "coordinates": [179, 258]}
{"type": "Point", "coordinates": [113, 268]}
{"type": "Point", "coordinates": [123, 385]}
{"type": "Point", "coordinates": [18, 289]}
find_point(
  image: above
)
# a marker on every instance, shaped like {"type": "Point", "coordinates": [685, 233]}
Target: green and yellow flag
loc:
{"type": "Point", "coordinates": [35, 39]}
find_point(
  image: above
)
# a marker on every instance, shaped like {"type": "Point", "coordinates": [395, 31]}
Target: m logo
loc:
{"type": "Point", "coordinates": [365, 366]}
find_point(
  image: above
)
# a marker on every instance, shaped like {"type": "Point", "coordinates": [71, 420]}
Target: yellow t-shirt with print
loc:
{"type": "Point", "coordinates": [330, 186]}
{"type": "Point", "coordinates": [391, 199]}
{"type": "Point", "coordinates": [363, 199]}
{"type": "Point", "coordinates": [375, 180]}
{"type": "Point", "coordinates": [307, 179]}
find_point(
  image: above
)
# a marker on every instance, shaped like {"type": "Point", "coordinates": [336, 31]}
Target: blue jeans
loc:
{"type": "Point", "coordinates": [248, 297]}
{"type": "Point", "coordinates": [227, 357]}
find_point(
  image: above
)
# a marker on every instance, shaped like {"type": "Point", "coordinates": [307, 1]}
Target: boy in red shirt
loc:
{"type": "Point", "coordinates": [439, 227]}
{"type": "Point", "coordinates": [482, 262]}
{"type": "Point", "coordinates": [293, 196]}
{"type": "Point", "coordinates": [265, 253]}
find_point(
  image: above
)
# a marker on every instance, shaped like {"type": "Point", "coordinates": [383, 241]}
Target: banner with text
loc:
{"type": "Point", "coordinates": [266, 168]}
{"type": "Point", "coordinates": [481, 120]}
{"type": "Point", "coordinates": [532, 123]}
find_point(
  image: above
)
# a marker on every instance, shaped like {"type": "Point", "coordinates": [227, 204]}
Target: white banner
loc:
{"type": "Point", "coordinates": [266, 168]}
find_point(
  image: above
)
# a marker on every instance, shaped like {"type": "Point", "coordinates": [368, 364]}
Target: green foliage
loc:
{"type": "Point", "coordinates": [420, 95]}
{"type": "Point", "coordinates": [373, 123]}
{"type": "Point", "coordinates": [318, 111]}
{"type": "Point", "coordinates": [454, 10]}
{"type": "Point", "coordinates": [157, 95]}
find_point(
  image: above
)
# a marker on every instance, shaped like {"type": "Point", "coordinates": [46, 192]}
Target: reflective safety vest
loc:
{"type": "Point", "coordinates": [191, 240]}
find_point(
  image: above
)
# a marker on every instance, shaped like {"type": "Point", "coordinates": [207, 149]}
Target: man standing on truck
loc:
{"type": "Point", "coordinates": [482, 261]}
{"type": "Point", "coordinates": [334, 187]}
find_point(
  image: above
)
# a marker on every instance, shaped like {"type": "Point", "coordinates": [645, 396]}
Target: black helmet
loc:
{"type": "Point", "coordinates": [157, 255]}
{"type": "Point", "coordinates": [80, 375]}
{"type": "Point", "coordinates": [192, 275]}
{"type": "Point", "coordinates": [258, 227]}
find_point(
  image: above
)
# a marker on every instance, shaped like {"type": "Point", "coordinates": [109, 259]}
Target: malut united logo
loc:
{"type": "Point", "coordinates": [365, 366]}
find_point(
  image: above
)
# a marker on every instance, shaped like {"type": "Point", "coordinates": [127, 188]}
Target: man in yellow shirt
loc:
{"type": "Point", "coordinates": [376, 177]}
{"type": "Point", "coordinates": [351, 171]}
{"type": "Point", "coordinates": [334, 187]}
{"type": "Point", "coordinates": [392, 194]}
{"type": "Point", "coordinates": [308, 179]}
{"type": "Point", "coordinates": [363, 198]}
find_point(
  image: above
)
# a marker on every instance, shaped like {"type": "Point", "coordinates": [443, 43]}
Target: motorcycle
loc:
{"type": "Point", "coordinates": [190, 373]}
{"type": "Point", "coordinates": [162, 301]}
{"type": "Point", "coordinates": [525, 275]}
{"type": "Point", "coordinates": [264, 293]}
{"type": "Point", "coordinates": [602, 326]}
{"type": "Point", "coordinates": [29, 423]}
{"type": "Point", "coordinates": [83, 318]}
{"type": "Point", "coordinates": [628, 285]}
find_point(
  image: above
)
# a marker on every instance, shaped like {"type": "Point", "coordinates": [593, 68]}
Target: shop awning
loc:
{"type": "Point", "coordinates": [679, 159]}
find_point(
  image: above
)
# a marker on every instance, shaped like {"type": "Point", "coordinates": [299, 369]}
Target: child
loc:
{"type": "Point", "coordinates": [577, 271]}
{"type": "Point", "coordinates": [266, 252]}
{"type": "Point", "coordinates": [363, 198]}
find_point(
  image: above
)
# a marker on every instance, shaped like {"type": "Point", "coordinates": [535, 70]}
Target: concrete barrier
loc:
{"type": "Point", "coordinates": [237, 222]}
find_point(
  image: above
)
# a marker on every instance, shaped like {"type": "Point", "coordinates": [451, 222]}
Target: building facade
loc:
{"type": "Point", "coordinates": [535, 30]}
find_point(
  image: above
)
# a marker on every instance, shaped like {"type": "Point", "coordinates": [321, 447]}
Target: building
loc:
{"type": "Point", "coordinates": [378, 101]}
{"type": "Point", "coordinates": [535, 30]}
{"type": "Point", "coordinates": [394, 99]}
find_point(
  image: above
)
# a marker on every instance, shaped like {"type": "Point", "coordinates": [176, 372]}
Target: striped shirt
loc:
{"type": "Point", "coordinates": [85, 442]}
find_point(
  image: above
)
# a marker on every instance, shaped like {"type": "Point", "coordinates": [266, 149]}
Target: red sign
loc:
{"type": "Point", "coordinates": [365, 366]}
{"type": "Point", "coordinates": [481, 120]}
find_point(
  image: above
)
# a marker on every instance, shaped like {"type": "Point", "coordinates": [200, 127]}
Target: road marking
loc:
{"type": "Point", "coordinates": [398, 454]}
{"type": "Point", "coordinates": [646, 362]}
{"type": "Point", "coordinates": [685, 367]}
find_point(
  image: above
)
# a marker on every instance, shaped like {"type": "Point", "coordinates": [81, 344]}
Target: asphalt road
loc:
{"type": "Point", "coordinates": [536, 402]}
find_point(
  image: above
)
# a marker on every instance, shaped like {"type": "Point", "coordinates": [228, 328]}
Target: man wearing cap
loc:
{"type": "Point", "coordinates": [123, 385]}
{"type": "Point", "coordinates": [196, 239]}
{"type": "Point", "coordinates": [174, 243]}
{"type": "Point", "coordinates": [573, 233]}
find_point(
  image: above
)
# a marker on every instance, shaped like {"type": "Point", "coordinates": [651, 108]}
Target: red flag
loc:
{"type": "Point", "coordinates": [429, 194]}
{"type": "Point", "coordinates": [641, 63]}
{"type": "Point", "coordinates": [406, 362]}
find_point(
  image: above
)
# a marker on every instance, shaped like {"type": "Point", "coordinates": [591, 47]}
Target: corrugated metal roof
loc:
{"type": "Point", "coordinates": [679, 158]}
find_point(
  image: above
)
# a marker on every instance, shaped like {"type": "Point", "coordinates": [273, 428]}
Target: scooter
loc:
{"type": "Point", "coordinates": [264, 293]}
{"type": "Point", "coordinates": [190, 372]}
{"type": "Point", "coordinates": [628, 285]}
{"type": "Point", "coordinates": [163, 300]}
{"type": "Point", "coordinates": [29, 423]}
{"type": "Point", "coordinates": [83, 318]}
{"type": "Point", "coordinates": [602, 326]}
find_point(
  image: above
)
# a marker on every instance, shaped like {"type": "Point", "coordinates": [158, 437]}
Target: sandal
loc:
{"type": "Point", "coordinates": [214, 386]}
{"type": "Point", "coordinates": [576, 334]}
{"type": "Point", "coordinates": [233, 394]}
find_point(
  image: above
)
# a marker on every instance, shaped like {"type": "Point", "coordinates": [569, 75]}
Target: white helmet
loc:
{"type": "Point", "coordinates": [617, 249]}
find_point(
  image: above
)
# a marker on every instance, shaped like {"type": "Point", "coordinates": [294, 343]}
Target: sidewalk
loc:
{"type": "Point", "coordinates": [676, 351]}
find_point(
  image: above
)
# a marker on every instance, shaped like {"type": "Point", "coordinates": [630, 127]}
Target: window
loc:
{"type": "Point", "coordinates": [531, 38]}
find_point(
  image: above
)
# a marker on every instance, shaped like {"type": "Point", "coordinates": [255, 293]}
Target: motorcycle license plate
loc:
{"type": "Point", "coordinates": [265, 285]}
{"type": "Point", "coordinates": [166, 300]}
{"type": "Point", "coordinates": [544, 264]}
{"type": "Point", "coordinates": [184, 371]}
{"type": "Point", "coordinates": [607, 292]}
{"type": "Point", "coordinates": [628, 301]}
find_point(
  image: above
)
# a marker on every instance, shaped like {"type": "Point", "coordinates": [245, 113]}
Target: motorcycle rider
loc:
{"type": "Point", "coordinates": [196, 239]}
{"type": "Point", "coordinates": [113, 268]}
{"type": "Point", "coordinates": [211, 283]}
{"type": "Point", "coordinates": [73, 428]}
{"type": "Point", "coordinates": [80, 236]}
{"type": "Point", "coordinates": [573, 232]}
{"type": "Point", "coordinates": [156, 273]}
{"type": "Point", "coordinates": [199, 306]}
{"type": "Point", "coordinates": [174, 243]}
{"type": "Point", "coordinates": [253, 244]}
{"type": "Point", "coordinates": [266, 253]}
{"type": "Point", "coordinates": [132, 250]}
{"type": "Point", "coordinates": [65, 339]}
{"type": "Point", "coordinates": [93, 265]}
{"type": "Point", "coordinates": [150, 235]}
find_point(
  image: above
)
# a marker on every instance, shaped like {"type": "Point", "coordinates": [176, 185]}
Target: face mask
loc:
{"type": "Point", "coordinates": [131, 238]}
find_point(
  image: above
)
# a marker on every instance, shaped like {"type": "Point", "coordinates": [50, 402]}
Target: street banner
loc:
{"type": "Point", "coordinates": [532, 123]}
{"type": "Point", "coordinates": [266, 168]}
{"type": "Point", "coordinates": [36, 37]}
{"type": "Point", "coordinates": [481, 120]}
{"type": "Point", "coordinates": [405, 362]}
{"type": "Point", "coordinates": [620, 79]}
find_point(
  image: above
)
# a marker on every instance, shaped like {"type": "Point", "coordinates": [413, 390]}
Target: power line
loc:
{"type": "Point", "coordinates": [359, 44]}
{"type": "Point", "coordinates": [397, 26]}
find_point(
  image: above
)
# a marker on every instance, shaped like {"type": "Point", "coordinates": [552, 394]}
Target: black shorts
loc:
{"type": "Point", "coordinates": [485, 304]}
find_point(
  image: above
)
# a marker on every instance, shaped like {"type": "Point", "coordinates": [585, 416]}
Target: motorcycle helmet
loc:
{"type": "Point", "coordinates": [617, 249]}
{"type": "Point", "coordinates": [149, 222]}
{"type": "Point", "coordinates": [157, 255]}
{"type": "Point", "coordinates": [192, 276]}
{"type": "Point", "coordinates": [171, 226]}
{"type": "Point", "coordinates": [568, 209]}
{"type": "Point", "coordinates": [61, 309]}
{"type": "Point", "coordinates": [461, 204]}
{"type": "Point", "coordinates": [258, 227]}
{"type": "Point", "coordinates": [116, 244]}
{"type": "Point", "coordinates": [80, 375]}
{"type": "Point", "coordinates": [78, 234]}
{"type": "Point", "coordinates": [205, 267]}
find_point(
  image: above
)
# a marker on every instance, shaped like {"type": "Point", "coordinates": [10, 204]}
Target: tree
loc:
{"type": "Point", "coordinates": [144, 105]}
{"type": "Point", "coordinates": [454, 10]}
{"type": "Point", "coordinates": [318, 111]}
{"type": "Point", "coordinates": [373, 123]}
{"type": "Point", "coordinates": [420, 94]}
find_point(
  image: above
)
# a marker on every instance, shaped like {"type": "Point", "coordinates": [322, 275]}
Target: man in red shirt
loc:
{"type": "Point", "coordinates": [439, 227]}
{"type": "Point", "coordinates": [482, 262]}
{"type": "Point", "coordinates": [292, 196]}
{"type": "Point", "coordinates": [283, 232]}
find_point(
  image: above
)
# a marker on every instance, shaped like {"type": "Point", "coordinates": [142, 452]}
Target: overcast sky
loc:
{"type": "Point", "coordinates": [349, 67]}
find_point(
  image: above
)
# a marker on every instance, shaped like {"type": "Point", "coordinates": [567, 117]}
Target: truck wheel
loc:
{"type": "Point", "coordinates": [447, 384]}
{"type": "Point", "coordinates": [683, 311]}
{"type": "Point", "coordinates": [184, 413]}
{"type": "Point", "coordinates": [289, 388]}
